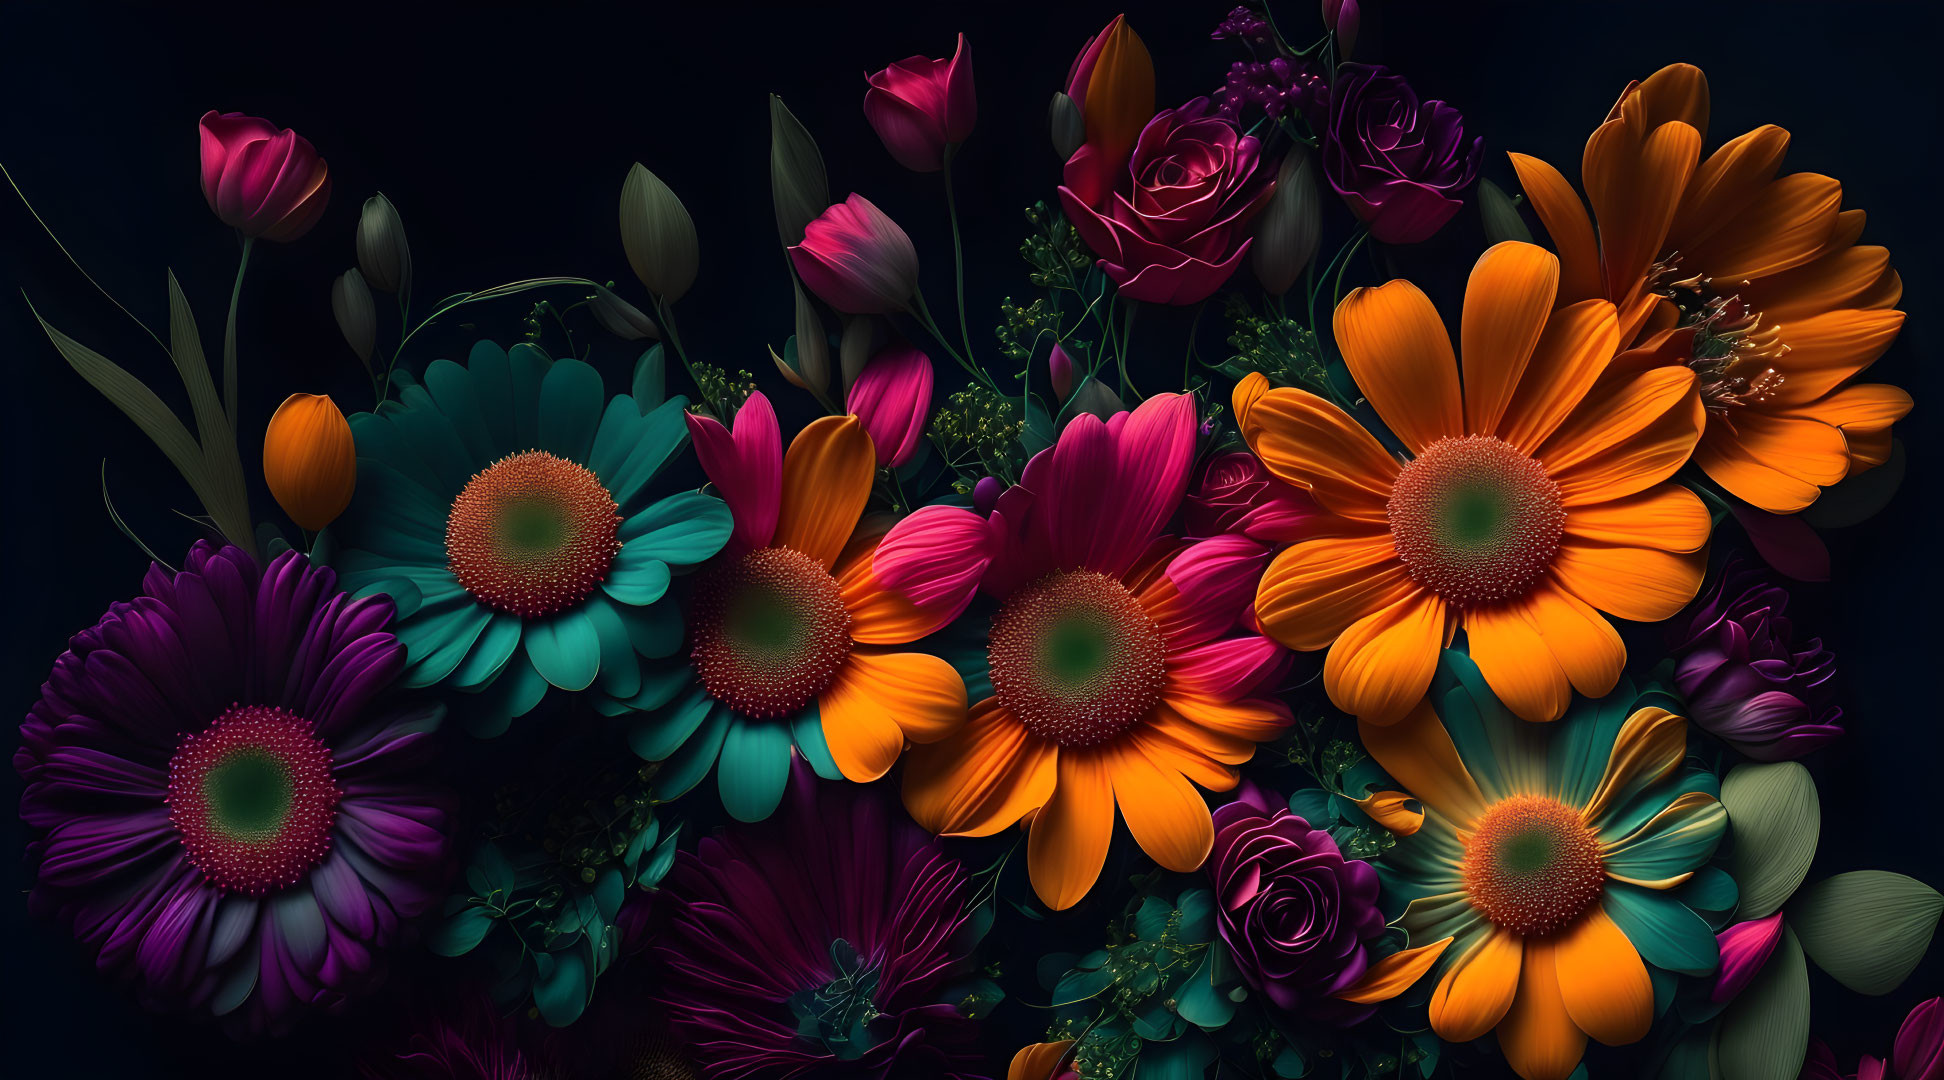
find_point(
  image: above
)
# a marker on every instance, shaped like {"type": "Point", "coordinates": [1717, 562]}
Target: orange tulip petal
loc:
{"type": "Point", "coordinates": [981, 778]}
{"type": "Point", "coordinates": [1564, 216]}
{"type": "Point", "coordinates": [1068, 845]}
{"type": "Point", "coordinates": [1380, 666]}
{"type": "Point", "coordinates": [1539, 1038]}
{"type": "Point", "coordinates": [1784, 227]}
{"type": "Point", "coordinates": [1626, 440]}
{"type": "Point", "coordinates": [1311, 443]}
{"type": "Point", "coordinates": [1639, 584]}
{"type": "Point", "coordinates": [1507, 299]}
{"type": "Point", "coordinates": [1399, 352]}
{"type": "Point", "coordinates": [1826, 349]}
{"type": "Point", "coordinates": [1393, 974]}
{"type": "Point", "coordinates": [826, 483]}
{"type": "Point", "coordinates": [1314, 590]}
{"type": "Point", "coordinates": [1665, 518]}
{"type": "Point", "coordinates": [1648, 748]}
{"type": "Point", "coordinates": [1517, 662]}
{"type": "Point", "coordinates": [1603, 982]}
{"type": "Point", "coordinates": [1726, 182]}
{"type": "Point", "coordinates": [1579, 341]}
{"type": "Point", "coordinates": [1418, 753]}
{"type": "Point", "coordinates": [1477, 990]}
{"type": "Point", "coordinates": [1167, 816]}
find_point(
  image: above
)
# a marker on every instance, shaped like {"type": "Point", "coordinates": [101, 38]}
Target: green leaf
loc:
{"type": "Point", "coordinates": [213, 430]}
{"type": "Point", "coordinates": [1501, 215]}
{"type": "Point", "coordinates": [561, 991]}
{"type": "Point", "coordinates": [650, 380]}
{"type": "Point", "coordinates": [798, 186]}
{"type": "Point", "coordinates": [1868, 928]}
{"type": "Point", "coordinates": [461, 933]}
{"type": "Point", "coordinates": [1776, 817]}
{"type": "Point", "coordinates": [1765, 1033]}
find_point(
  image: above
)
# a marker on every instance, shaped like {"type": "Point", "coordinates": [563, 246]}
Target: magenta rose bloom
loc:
{"type": "Point", "coordinates": [260, 178]}
{"type": "Point", "coordinates": [1238, 495]}
{"type": "Point", "coordinates": [1398, 162]}
{"type": "Point", "coordinates": [857, 260]}
{"type": "Point", "coordinates": [918, 106]}
{"type": "Point", "coordinates": [1176, 224]}
{"type": "Point", "coordinates": [1297, 915]}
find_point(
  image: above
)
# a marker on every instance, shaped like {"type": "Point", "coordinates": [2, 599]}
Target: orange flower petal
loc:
{"type": "Point", "coordinates": [1314, 590]}
{"type": "Point", "coordinates": [1665, 518]}
{"type": "Point", "coordinates": [1201, 755]}
{"type": "Point", "coordinates": [1394, 810]}
{"type": "Point", "coordinates": [981, 778]}
{"type": "Point", "coordinates": [1254, 719]}
{"type": "Point", "coordinates": [1826, 349]}
{"type": "Point", "coordinates": [1579, 341]}
{"type": "Point", "coordinates": [1393, 974]}
{"type": "Point", "coordinates": [1477, 990]}
{"type": "Point", "coordinates": [1677, 92]}
{"type": "Point", "coordinates": [1603, 982]}
{"type": "Point", "coordinates": [1626, 440]}
{"type": "Point", "coordinates": [913, 695]}
{"type": "Point", "coordinates": [1418, 753]}
{"type": "Point", "coordinates": [1507, 299]}
{"type": "Point", "coordinates": [1639, 584]}
{"type": "Point", "coordinates": [1068, 845]}
{"type": "Point", "coordinates": [826, 482]}
{"type": "Point", "coordinates": [1539, 1038]}
{"type": "Point", "coordinates": [1726, 182]}
{"type": "Point", "coordinates": [1564, 216]}
{"type": "Point", "coordinates": [879, 616]}
{"type": "Point", "coordinates": [1167, 816]}
{"type": "Point", "coordinates": [1730, 464]}
{"type": "Point", "coordinates": [1517, 661]}
{"type": "Point", "coordinates": [1584, 643]}
{"type": "Point", "coordinates": [1399, 352]}
{"type": "Point", "coordinates": [1039, 1061]}
{"type": "Point", "coordinates": [1863, 411]}
{"type": "Point", "coordinates": [1784, 227]}
{"type": "Point", "coordinates": [1311, 443]}
{"type": "Point", "coordinates": [1380, 666]}
{"type": "Point", "coordinates": [1852, 277]}
{"type": "Point", "coordinates": [1649, 748]}
{"type": "Point", "coordinates": [1635, 184]}
{"type": "Point", "coordinates": [1806, 449]}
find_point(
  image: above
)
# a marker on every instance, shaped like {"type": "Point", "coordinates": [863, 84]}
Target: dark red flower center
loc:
{"type": "Point", "coordinates": [253, 800]}
{"type": "Point", "coordinates": [1475, 519]}
{"type": "Point", "coordinates": [532, 534]}
{"type": "Point", "coordinates": [771, 631]}
{"type": "Point", "coordinates": [1532, 866]}
{"type": "Point", "coordinates": [1076, 658]}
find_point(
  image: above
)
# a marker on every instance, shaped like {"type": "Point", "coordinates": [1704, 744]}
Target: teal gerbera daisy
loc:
{"type": "Point", "coordinates": [1565, 864]}
{"type": "Point", "coordinates": [508, 508]}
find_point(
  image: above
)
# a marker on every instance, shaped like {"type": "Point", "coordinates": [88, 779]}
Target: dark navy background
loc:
{"type": "Point", "coordinates": [503, 135]}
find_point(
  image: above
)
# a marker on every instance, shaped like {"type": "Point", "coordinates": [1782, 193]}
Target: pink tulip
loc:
{"type": "Point", "coordinates": [892, 398]}
{"type": "Point", "coordinates": [1083, 64]}
{"type": "Point", "coordinates": [260, 178]}
{"type": "Point", "coordinates": [918, 106]}
{"type": "Point", "coordinates": [1919, 1053]}
{"type": "Point", "coordinates": [1060, 366]}
{"type": "Point", "coordinates": [857, 260]}
{"type": "Point", "coordinates": [1745, 948]}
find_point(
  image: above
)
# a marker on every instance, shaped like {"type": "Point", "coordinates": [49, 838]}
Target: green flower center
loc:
{"type": "Point", "coordinates": [1475, 519]}
{"type": "Point", "coordinates": [770, 631]}
{"type": "Point", "coordinates": [1076, 658]}
{"type": "Point", "coordinates": [532, 534]}
{"type": "Point", "coordinates": [1532, 866]}
{"type": "Point", "coordinates": [253, 800]}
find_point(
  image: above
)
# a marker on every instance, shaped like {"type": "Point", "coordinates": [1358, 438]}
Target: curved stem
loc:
{"type": "Point", "coordinates": [493, 293]}
{"type": "Point", "coordinates": [923, 314]}
{"type": "Point", "coordinates": [1336, 294]}
{"type": "Point", "coordinates": [958, 253]}
{"type": "Point", "coordinates": [1129, 307]}
{"type": "Point", "coordinates": [76, 263]}
{"type": "Point", "coordinates": [229, 332]}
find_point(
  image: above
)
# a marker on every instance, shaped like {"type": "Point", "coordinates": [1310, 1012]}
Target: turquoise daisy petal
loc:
{"type": "Point", "coordinates": [452, 389]}
{"type": "Point", "coordinates": [807, 729]}
{"type": "Point", "coordinates": [620, 668]}
{"type": "Point", "coordinates": [1662, 929]}
{"type": "Point", "coordinates": [376, 438]}
{"type": "Point", "coordinates": [1671, 844]}
{"type": "Point", "coordinates": [614, 439]}
{"type": "Point", "coordinates": [686, 767]}
{"type": "Point", "coordinates": [637, 585]}
{"type": "Point", "coordinates": [661, 434]}
{"type": "Point", "coordinates": [438, 637]}
{"type": "Point", "coordinates": [683, 529]}
{"type": "Point", "coordinates": [528, 366]}
{"type": "Point", "coordinates": [1439, 916]}
{"type": "Point", "coordinates": [515, 693]}
{"type": "Point", "coordinates": [404, 595]}
{"type": "Point", "coordinates": [490, 653]}
{"type": "Point", "coordinates": [656, 630]}
{"type": "Point", "coordinates": [1584, 743]}
{"type": "Point", "coordinates": [570, 409]}
{"type": "Point", "coordinates": [565, 649]}
{"type": "Point", "coordinates": [357, 568]}
{"type": "Point", "coordinates": [492, 383]}
{"type": "Point", "coordinates": [397, 516]}
{"type": "Point", "coordinates": [430, 435]}
{"type": "Point", "coordinates": [1503, 753]}
{"type": "Point", "coordinates": [755, 766]}
{"type": "Point", "coordinates": [657, 735]}
{"type": "Point", "coordinates": [1712, 893]}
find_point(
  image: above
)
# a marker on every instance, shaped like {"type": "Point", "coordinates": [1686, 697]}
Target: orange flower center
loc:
{"type": "Point", "coordinates": [771, 631]}
{"type": "Point", "coordinates": [532, 534]}
{"type": "Point", "coordinates": [1475, 519]}
{"type": "Point", "coordinates": [1532, 866]}
{"type": "Point", "coordinates": [253, 800]}
{"type": "Point", "coordinates": [1076, 658]}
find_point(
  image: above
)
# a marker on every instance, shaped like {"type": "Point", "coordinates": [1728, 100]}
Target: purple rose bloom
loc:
{"type": "Point", "coordinates": [1297, 915]}
{"type": "Point", "coordinates": [1745, 678]}
{"type": "Point", "coordinates": [818, 944]}
{"type": "Point", "coordinates": [1397, 161]}
{"type": "Point", "coordinates": [233, 811]}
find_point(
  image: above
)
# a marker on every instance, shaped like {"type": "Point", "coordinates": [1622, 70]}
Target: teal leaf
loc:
{"type": "Point", "coordinates": [1867, 928]}
{"type": "Point", "coordinates": [561, 992]}
{"type": "Point", "coordinates": [650, 379]}
{"type": "Point", "coordinates": [1776, 817]}
{"type": "Point", "coordinates": [1765, 1033]}
{"type": "Point", "coordinates": [461, 933]}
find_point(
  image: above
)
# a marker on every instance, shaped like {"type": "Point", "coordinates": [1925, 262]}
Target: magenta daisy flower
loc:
{"type": "Point", "coordinates": [234, 817]}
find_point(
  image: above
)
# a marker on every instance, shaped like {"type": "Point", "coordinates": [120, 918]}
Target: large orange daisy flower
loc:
{"type": "Point", "coordinates": [1783, 307]}
{"type": "Point", "coordinates": [1524, 509]}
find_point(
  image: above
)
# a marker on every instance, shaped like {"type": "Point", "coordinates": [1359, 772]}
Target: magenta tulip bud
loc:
{"type": "Point", "coordinates": [262, 179]}
{"type": "Point", "coordinates": [892, 398]}
{"type": "Point", "coordinates": [1919, 1052]}
{"type": "Point", "coordinates": [857, 260]}
{"type": "Point", "coordinates": [1343, 17]}
{"type": "Point", "coordinates": [1060, 366]}
{"type": "Point", "coordinates": [918, 106]}
{"type": "Point", "coordinates": [1745, 948]}
{"type": "Point", "coordinates": [985, 495]}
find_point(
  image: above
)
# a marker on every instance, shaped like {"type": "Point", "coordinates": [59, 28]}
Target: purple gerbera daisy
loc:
{"type": "Point", "coordinates": [234, 817]}
{"type": "Point", "coordinates": [818, 944]}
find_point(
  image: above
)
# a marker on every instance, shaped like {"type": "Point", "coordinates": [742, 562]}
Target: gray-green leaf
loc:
{"type": "Point", "coordinates": [1765, 1033]}
{"type": "Point", "coordinates": [1868, 928]}
{"type": "Point", "coordinates": [1776, 817]}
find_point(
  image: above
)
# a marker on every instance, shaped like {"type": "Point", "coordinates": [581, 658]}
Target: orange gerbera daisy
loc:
{"type": "Point", "coordinates": [1521, 509]}
{"type": "Point", "coordinates": [1784, 307]}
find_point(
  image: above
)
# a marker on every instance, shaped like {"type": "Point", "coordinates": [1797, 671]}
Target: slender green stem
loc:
{"type": "Point", "coordinates": [1341, 256]}
{"type": "Point", "coordinates": [666, 312]}
{"type": "Point", "coordinates": [493, 293]}
{"type": "Point", "coordinates": [76, 263]}
{"type": "Point", "coordinates": [229, 332]}
{"type": "Point", "coordinates": [1129, 307]}
{"type": "Point", "coordinates": [922, 313]}
{"type": "Point", "coordinates": [1336, 294]}
{"type": "Point", "coordinates": [958, 254]}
